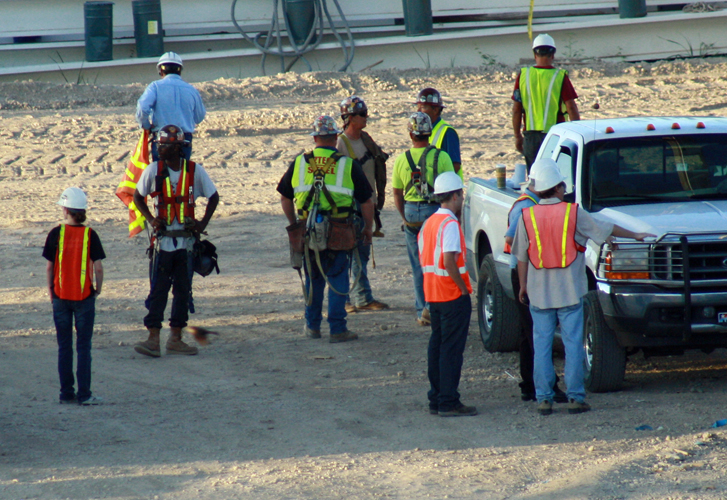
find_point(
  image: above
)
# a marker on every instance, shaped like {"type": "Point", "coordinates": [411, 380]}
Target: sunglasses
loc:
{"type": "Point", "coordinates": [365, 114]}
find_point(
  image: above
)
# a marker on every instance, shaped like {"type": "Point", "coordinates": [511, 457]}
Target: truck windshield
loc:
{"type": "Point", "coordinates": [668, 168]}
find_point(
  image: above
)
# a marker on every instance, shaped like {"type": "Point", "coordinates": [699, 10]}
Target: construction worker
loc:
{"type": "Point", "coordinates": [447, 290]}
{"type": "Point", "coordinates": [175, 183]}
{"type": "Point", "coordinates": [444, 136]}
{"type": "Point", "coordinates": [541, 94]}
{"type": "Point", "coordinates": [355, 143]}
{"type": "Point", "coordinates": [320, 188]}
{"type": "Point", "coordinates": [549, 245]}
{"type": "Point", "coordinates": [527, 386]}
{"type": "Point", "coordinates": [170, 101]}
{"type": "Point", "coordinates": [74, 254]}
{"type": "Point", "coordinates": [415, 173]}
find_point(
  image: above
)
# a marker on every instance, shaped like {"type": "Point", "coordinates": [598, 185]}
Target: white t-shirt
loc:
{"type": "Point", "coordinates": [450, 235]}
{"type": "Point", "coordinates": [203, 186]}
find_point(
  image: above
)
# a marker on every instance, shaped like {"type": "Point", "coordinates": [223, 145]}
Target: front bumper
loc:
{"type": "Point", "coordinates": [649, 316]}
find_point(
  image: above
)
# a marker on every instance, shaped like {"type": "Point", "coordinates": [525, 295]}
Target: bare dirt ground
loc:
{"type": "Point", "coordinates": [265, 413]}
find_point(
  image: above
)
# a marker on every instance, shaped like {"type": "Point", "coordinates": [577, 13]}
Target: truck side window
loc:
{"type": "Point", "coordinates": [549, 147]}
{"type": "Point", "coordinates": [565, 164]}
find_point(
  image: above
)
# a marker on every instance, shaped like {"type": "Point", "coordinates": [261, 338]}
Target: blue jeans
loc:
{"type": "Point", "coordinates": [172, 272]}
{"type": "Point", "coordinates": [84, 313]}
{"type": "Point", "coordinates": [335, 265]}
{"type": "Point", "coordinates": [361, 293]}
{"type": "Point", "coordinates": [571, 330]}
{"type": "Point", "coordinates": [416, 212]}
{"type": "Point", "coordinates": [450, 326]}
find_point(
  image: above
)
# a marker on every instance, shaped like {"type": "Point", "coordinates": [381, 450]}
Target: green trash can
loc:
{"type": "Point", "coordinates": [148, 30]}
{"type": "Point", "coordinates": [418, 17]}
{"type": "Point", "coordinates": [631, 8]}
{"type": "Point", "coordinates": [99, 30]}
{"type": "Point", "coordinates": [300, 15]}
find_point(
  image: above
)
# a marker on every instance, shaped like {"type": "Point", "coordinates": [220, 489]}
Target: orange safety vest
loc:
{"type": "Point", "coordinates": [508, 248]}
{"type": "Point", "coordinates": [438, 285]}
{"type": "Point", "coordinates": [177, 204]}
{"type": "Point", "coordinates": [73, 268]}
{"type": "Point", "coordinates": [551, 231]}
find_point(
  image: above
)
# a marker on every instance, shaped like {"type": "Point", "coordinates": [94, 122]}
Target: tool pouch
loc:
{"type": "Point", "coordinates": [342, 235]}
{"type": "Point", "coordinates": [317, 235]}
{"type": "Point", "coordinates": [296, 238]}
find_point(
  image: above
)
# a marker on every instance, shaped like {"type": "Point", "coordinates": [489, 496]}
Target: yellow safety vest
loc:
{"type": "Point", "coordinates": [437, 139]}
{"type": "Point", "coordinates": [540, 90]}
{"type": "Point", "coordinates": [335, 172]}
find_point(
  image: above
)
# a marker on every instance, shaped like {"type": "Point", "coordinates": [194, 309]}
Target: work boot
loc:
{"type": "Point", "coordinates": [176, 346]}
{"type": "Point", "coordinates": [310, 333]}
{"type": "Point", "coordinates": [460, 411]}
{"type": "Point", "coordinates": [374, 305]}
{"type": "Point", "coordinates": [343, 337]}
{"type": "Point", "coordinates": [150, 347]}
{"type": "Point", "coordinates": [545, 407]}
{"type": "Point", "coordinates": [578, 406]}
{"type": "Point", "coordinates": [350, 308]}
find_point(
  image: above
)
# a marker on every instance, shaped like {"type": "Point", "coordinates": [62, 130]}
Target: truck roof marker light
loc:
{"type": "Point", "coordinates": [701, 125]}
{"type": "Point", "coordinates": [675, 126]}
{"type": "Point", "coordinates": [609, 130]}
{"type": "Point", "coordinates": [650, 127]}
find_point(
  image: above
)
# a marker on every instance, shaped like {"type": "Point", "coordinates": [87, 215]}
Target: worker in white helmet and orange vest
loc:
{"type": "Point", "coordinates": [549, 245]}
{"type": "Point", "coordinates": [75, 277]}
{"type": "Point", "coordinates": [170, 101]}
{"type": "Point", "coordinates": [543, 96]}
{"type": "Point", "coordinates": [447, 290]}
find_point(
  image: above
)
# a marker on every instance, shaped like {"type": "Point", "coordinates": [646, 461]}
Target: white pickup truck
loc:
{"type": "Point", "coordinates": [662, 175]}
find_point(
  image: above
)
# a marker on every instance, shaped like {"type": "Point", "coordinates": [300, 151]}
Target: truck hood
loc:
{"type": "Point", "coordinates": [677, 217]}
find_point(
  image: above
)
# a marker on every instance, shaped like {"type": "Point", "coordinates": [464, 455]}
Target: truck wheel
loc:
{"type": "Point", "coordinates": [497, 314]}
{"type": "Point", "coordinates": [605, 358]}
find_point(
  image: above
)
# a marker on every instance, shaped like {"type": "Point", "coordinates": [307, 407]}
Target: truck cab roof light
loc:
{"type": "Point", "coordinates": [650, 127]}
{"type": "Point", "coordinates": [675, 126]}
{"type": "Point", "coordinates": [700, 125]}
{"type": "Point", "coordinates": [609, 130]}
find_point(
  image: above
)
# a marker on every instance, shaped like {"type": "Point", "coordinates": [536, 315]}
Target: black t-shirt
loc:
{"type": "Point", "coordinates": [51, 245]}
{"type": "Point", "coordinates": [361, 188]}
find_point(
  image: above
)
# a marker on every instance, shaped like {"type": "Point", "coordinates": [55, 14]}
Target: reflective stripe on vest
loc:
{"type": "Point", "coordinates": [536, 85]}
{"type": "Point", "coordinates": [508, 248]}
{"type": "Point", "coordinates": [176, 204]}
{"type": "Point", "coordinates": [337, 179]}
{"type": "Point", "coordinates": [438, 284]}
{"type": "Point", "coordinates": [551, 230]}
{"type": "Point", "coordinates": [437, 139]}
{"type": "Point", "coordinates": [72, 279]}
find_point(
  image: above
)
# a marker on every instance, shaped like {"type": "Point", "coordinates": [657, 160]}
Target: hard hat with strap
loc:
{"type": "Point", "coordinates": [438, 284]}
{"type": "Point", "coordinates": [72, 270]}
{"type": "Point", "coordinates": [551, 233]}
{"type": "Point", "coordinates": [540, 89]}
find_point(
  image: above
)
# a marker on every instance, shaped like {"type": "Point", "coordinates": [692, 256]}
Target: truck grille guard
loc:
{"type": "Point", "coordinates": [676, 260]}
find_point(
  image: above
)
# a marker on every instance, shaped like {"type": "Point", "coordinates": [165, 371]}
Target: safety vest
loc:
{"type": "Point", "coordinates": [540, 90]}
{"type": "Point", "coordinates": [423, 174]}
{"type": "Point", "coordinates": [552, 234]}
{"type": "Point", "coordinates": [437, 139]}
{"type": "Point", "coordinates": [508, 248]}
{"type": "Point", "coordinates": [334, 170]}
{"type": "Point", "coordinates": [438, 284]}
{"type": "Point", "coordinates": [73, 269]}
{"type": "Point", "coordinates": [175, 204]}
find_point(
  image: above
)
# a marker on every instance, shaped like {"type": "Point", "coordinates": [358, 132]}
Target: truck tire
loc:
{"type": "Point", "coordinates": [605, 358]}
{"type": "Point", "coordinates": [497, 314]}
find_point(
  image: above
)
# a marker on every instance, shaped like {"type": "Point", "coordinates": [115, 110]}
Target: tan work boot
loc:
{"type": "Point", "coordinates": [150, 347]}
{"type": "Point", "coordinates": [176, 346]}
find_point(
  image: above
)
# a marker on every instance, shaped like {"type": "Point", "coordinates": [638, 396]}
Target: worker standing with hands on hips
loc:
{"type": "Point", "coordinates": [540, 96]}
{"type": "Point", "coordinates": [74, 254]}
{"type": "Point", "coordinates": [175, 183]}
{"type": "Point", "coordinates": [170, 101]}
{"type": "Point", "coordinates": [549, 245]}
{"type": "Point", "coordinates": [355, 143]}
{"type": "Point", "coordinates": [447, 290]}
{"type": "Point", "coordinates": [415, 172]}
{"type": "Point", "coordinates": [443, 136]}
{"type": "Point", "coordinates": [319, 188]}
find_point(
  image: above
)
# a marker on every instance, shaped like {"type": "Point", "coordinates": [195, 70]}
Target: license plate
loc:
{"type": "Point", "coordinates": [722, 317]}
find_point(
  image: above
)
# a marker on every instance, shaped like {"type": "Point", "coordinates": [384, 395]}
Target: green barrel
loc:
{"type": "Point", "coordinates": [418, 17]}
{"type": "Point", "coordinates": [301, 17]}
{"type": "Point", "coordinates": [99, 30]}
{"type": "Point", "coordinates": [148, 30]}
{"type": "Point", "coordinates": [631, 8]}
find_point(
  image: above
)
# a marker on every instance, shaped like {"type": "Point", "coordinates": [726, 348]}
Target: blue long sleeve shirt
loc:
{"type": "Point", "coordinates": [170, 101]}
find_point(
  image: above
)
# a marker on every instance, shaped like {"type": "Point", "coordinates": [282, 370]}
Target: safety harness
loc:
{"type": "Point", "coordinates": [419, 173]}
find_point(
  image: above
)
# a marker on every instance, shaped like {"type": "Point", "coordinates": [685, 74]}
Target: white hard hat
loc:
{"type": "Point", "coordinates": [543, 40]}
{"type": "Point", "coordinates": [74, 197]}
{"type": "Point", "coordinates": [540, 163]}
{"type": "Point", "coordinates": [170, 58]}
{"type": "Point", "coordinates": [548, 176]}
{"type": "Point", "coordinates": [447, 182]}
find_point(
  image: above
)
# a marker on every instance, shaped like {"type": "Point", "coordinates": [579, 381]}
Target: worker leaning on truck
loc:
{"type": "Point", "coordinates": [541, 95]}
{"type": "Point", "coordinates": [549, 245]}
